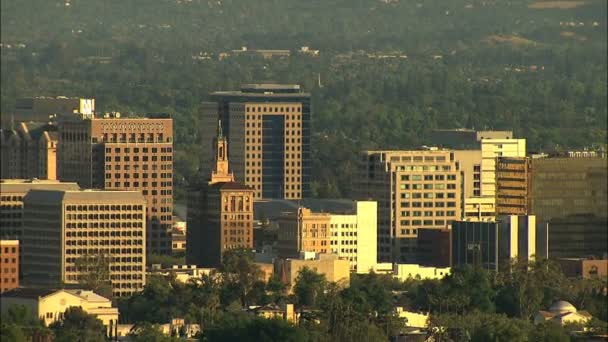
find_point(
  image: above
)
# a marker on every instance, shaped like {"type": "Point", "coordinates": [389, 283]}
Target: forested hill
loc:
{"type": "Point", "coordinates": [389, 70]}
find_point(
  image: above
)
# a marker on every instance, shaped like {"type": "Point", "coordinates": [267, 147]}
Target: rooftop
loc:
{"type": "Point", "coordinates": [94, 196]}
{"type": "Point", "coordinates": [24, 185]}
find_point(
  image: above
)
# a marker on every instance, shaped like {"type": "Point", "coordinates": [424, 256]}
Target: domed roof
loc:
{"type": "Point", "coordinates": [562, 307]}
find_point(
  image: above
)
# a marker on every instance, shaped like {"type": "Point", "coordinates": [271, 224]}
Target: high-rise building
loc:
{"type": "Point", "coordinates": [303, 231]}
{"type": "Point", "coordinates": [570, 193]}
{"type": "Point", "coordinates": [268, 127]}
{"type": "Point", "coordinates": [491, 149]}
{"type": "Point", "coordinates": [68, 233]}
{"type": "Point", "coordinates": [414, 189]}
{"type": "Point", "coordinates": [353, 236]}
{"type": "Point", "coordinates": [29, 151]}
{"type": "Point", "coordinates": [12, 192]}
{"type": "Point", "coordinates": [493, 245]}
{"type": "Point", "coordinates": [9, 264]}
{"type": "Point", "coordinates": [115, 153]}
{"type": "Point", "coordinates": [220, 212]}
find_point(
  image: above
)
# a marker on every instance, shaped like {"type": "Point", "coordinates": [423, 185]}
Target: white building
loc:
{"type": "Point", "coordinates": [354, 236]}
{"type": "Point", "coordinates": [492, 149]}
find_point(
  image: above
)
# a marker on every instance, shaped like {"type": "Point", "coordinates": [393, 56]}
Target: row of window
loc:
{"type": "Point", "coordinates": [424, 168]}
{"type": "Point", "coordinates": [136, 158]}
{"type": "Point", "coordinates": [137, 149]}
{"type": "Point", "coordinates": [97, 207]}
{"type": "Point", "coordinates": [427, 177]}
{"type": "Point", "coordinates": [417, 213]}
{"type": "Point", "coordinates": [427, 195]}
{"type": "Point", "coordinates": [271, 109]}
{"type": "Point", "coordinates": [422, 223]}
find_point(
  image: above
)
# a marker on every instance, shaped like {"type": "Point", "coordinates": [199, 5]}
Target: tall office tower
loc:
{"type": "Point", "coordinates": [67, 231]}
{"type": "Point", "coordinates": [12, 192]}
{"type": "Point", "coordinates": [220, 212]}
{"type": "Point", "coordinates": [29, 151]}
{"type": "Point", "coordinates": [491, 149]}
{"type": "Point", "coordinates": [9, 265]}
{"type": "Point", "coordinates": [268, 127]}
{"type": "Point", "coordinates": [303, 231]}
{"type": "Point", "coordinates": [43, 109]}
{"type": "Point", "coordinates": [493, 245]}
{"type": "Point", "coordinates": [353, 236]}
{"type": "Point", "coordinates": [569, 193]}
{"type": "Point", "coordinates": [414, 189]}
{"type": "Point", "coordinates": [115, 153]}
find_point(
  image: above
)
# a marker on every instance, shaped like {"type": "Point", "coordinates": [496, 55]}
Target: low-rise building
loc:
{"type": "Point", "coordinates": [584, 268]}
{"type": "Point", "coordinates": [416, 272]}
{"type": "Point", "coordinates": [285, 311]}
{"type": "Point", "coordinates": [334, 269]}
{"type": "Point", "coordinates": [49, 305]}
{"type": "Point", "coordinates": [9, 264]}
{"type": "Point", "coordinates": [562, 313]}
{"type": "Point", "coordinates": [413, 319]}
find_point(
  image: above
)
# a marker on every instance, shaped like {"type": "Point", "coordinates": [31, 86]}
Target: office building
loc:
{"type": "Point", "coordinates": [49, 305]}
{"type": "Point", "coordinates": [570, 193]}
{"type": "Point", "coordinates": [405, 272]}
{"type": "Point", "coordinates": [491, 149]}
{"type": "Point", "coordinates": [414, 190]}
{"type": "Point", "coordinates": [268, 127]}
{"type": "Point", "coordinates": [578, 236]}
{"type": "Point", "coordinates": [303, 231]}
{"type": "Point", "coordinates": [12, 192]}
{"type": "Point", "coordinates": [29, 151]}
{"type": "Point", "coordinates": [114, 153]}
{"type": "Point", "coordinates": [9, 264]}
{"type": "Point", "coordinates": [435, 247]}
{"type": "Point", "coordinates": [353, 236]}
{"type": "Point", "coordinates": [494, 245]}
{"type": "Point", "coordinates": [220, 212]}
{"type": "Point", "coordinates": [65, 231]}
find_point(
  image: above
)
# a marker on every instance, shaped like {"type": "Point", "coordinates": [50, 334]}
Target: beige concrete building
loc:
{"type": "Point", "coordinates": [12, 192]}
{"type": "Point", "coordinates": [9, 264]}
{"type": "Point", "coordinates": [491, 149]}
{"type": "Point", "coordinates": [334, 269]}
{"type": "Point", "coordinates": [414, 189]}
{"type": "Point", "coordinates": [29, 151]}
{"type": "Point", "coordinates": [64, 229]}
{"type": "Point", "coordinates": [268, 127]}
{"type": "Point", "coordinates": [303, 231]}
{"type": "Point", "coordinates": [50, 305]}
{"type": "Point", "coordinates": [115, 153]}
{"type": "Point", "coordinates": [354, 236]}
{"type": "Point", "coordinates": [220, 212]}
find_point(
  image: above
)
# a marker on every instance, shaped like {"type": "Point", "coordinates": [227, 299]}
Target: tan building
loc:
{"type": "Point", "coordinates": [303, 231]}
{"type": "Point", "coordinates": [220, 213]}
{"type": "Point", "coordinates": [9, 264]}
{"type": "Point", "coordinates": [414, 189]}
{"type": "Point", "coordinates": [334, 269]}
{"type": "Point", "coordinates": [584, 268]}
{"type": "Point", "coordinates": [115, 153]}
{"type": "Point", "coordinates": [45, 109]}
{"type": "Point", "coordinates": [64, 230]}
{"type": "Point", "coordinates": [50, 305]}
{"type": "Point", "coordinates": [491, 149]}
{"type": "Point", "coordinates": [12, 192]}
{"type": "Point", "coordinates": [29, 151]}
{"type": "Point", "coordinates": [268, 127]}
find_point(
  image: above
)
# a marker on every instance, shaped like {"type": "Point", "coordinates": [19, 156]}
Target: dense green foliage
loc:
{"type": "Point", "coordinates": [78, 326]}
{"type": "Point", "coordinates": [136, 56]}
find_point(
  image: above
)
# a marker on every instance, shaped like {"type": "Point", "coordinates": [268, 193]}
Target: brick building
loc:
{"type": "Point", "coordinates": [115, 153]}
{"type": "Point", "coordinates": [9, 265]}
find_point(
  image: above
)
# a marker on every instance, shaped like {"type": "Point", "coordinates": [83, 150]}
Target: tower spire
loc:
{"type": "Point", "coordinates": [221, 172]}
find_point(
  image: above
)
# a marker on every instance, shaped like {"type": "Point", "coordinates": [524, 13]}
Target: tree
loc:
{"type": "Point", "coordinates": [239, 274]}
{"type": "Point", "coordinates": [309, 287]}
{"type": "Point", "coordinates": [147, 332]}
{"type": "Point", "coordinates": [78, 326]}
{"type": "Point", "coordinates": [95, 273]}
{"type": "Point", "coordinates": [245, 328]}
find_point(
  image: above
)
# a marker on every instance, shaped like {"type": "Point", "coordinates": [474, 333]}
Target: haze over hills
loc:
{"type": "Point", "coordinates": [387, 73]}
